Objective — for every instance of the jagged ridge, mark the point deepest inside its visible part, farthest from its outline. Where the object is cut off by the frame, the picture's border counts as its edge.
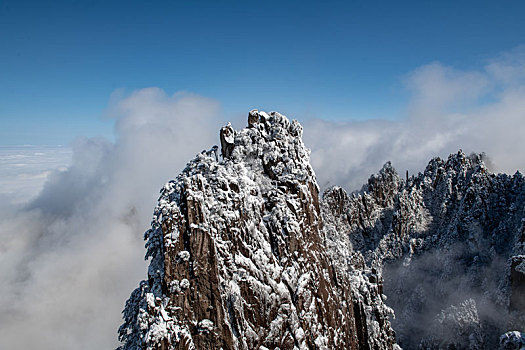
(239, 256)
(450, 240)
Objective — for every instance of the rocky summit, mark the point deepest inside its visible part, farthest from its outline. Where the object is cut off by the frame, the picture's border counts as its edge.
(244, 254)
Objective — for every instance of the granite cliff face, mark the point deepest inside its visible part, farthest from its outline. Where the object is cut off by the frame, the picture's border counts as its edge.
(239, 256)
(245, 255)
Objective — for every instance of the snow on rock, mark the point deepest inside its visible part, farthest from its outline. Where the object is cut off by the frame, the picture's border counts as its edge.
(242, 259)
(448, 241)
(512, 340)
(244, 255)
(457, 327)
(205, 326)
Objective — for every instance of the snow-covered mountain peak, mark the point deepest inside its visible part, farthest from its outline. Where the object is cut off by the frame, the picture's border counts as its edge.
(239, 257)
(245, 255)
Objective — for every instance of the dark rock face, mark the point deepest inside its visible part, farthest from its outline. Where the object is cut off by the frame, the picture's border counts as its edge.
(227, 137)
(517, 283)
(253, 118)
(240, 257)
(449, 244)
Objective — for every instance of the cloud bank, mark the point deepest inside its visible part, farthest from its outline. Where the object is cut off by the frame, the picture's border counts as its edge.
(24, 170)
(450, 109)
(72, 256)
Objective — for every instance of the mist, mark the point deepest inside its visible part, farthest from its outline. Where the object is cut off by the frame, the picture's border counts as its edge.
(449, 109)
(72, 255)
(423, 292)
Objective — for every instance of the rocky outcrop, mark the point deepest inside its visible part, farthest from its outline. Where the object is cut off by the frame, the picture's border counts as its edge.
(512, 340)
(241, 258)
(227, 141)
(517, 283)
(448, 244)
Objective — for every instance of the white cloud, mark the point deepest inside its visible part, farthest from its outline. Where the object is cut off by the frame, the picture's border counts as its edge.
(509, 67)
(70, 261)
(477, 111)
(24, 169)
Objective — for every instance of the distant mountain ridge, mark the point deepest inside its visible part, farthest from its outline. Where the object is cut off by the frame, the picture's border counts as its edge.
(245, 255)
(448, 241)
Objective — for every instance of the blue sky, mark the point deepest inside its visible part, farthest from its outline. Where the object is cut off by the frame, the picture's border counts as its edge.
(60, 61)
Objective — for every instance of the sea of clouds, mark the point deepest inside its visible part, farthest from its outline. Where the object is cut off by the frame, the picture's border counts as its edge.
(72, 219)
